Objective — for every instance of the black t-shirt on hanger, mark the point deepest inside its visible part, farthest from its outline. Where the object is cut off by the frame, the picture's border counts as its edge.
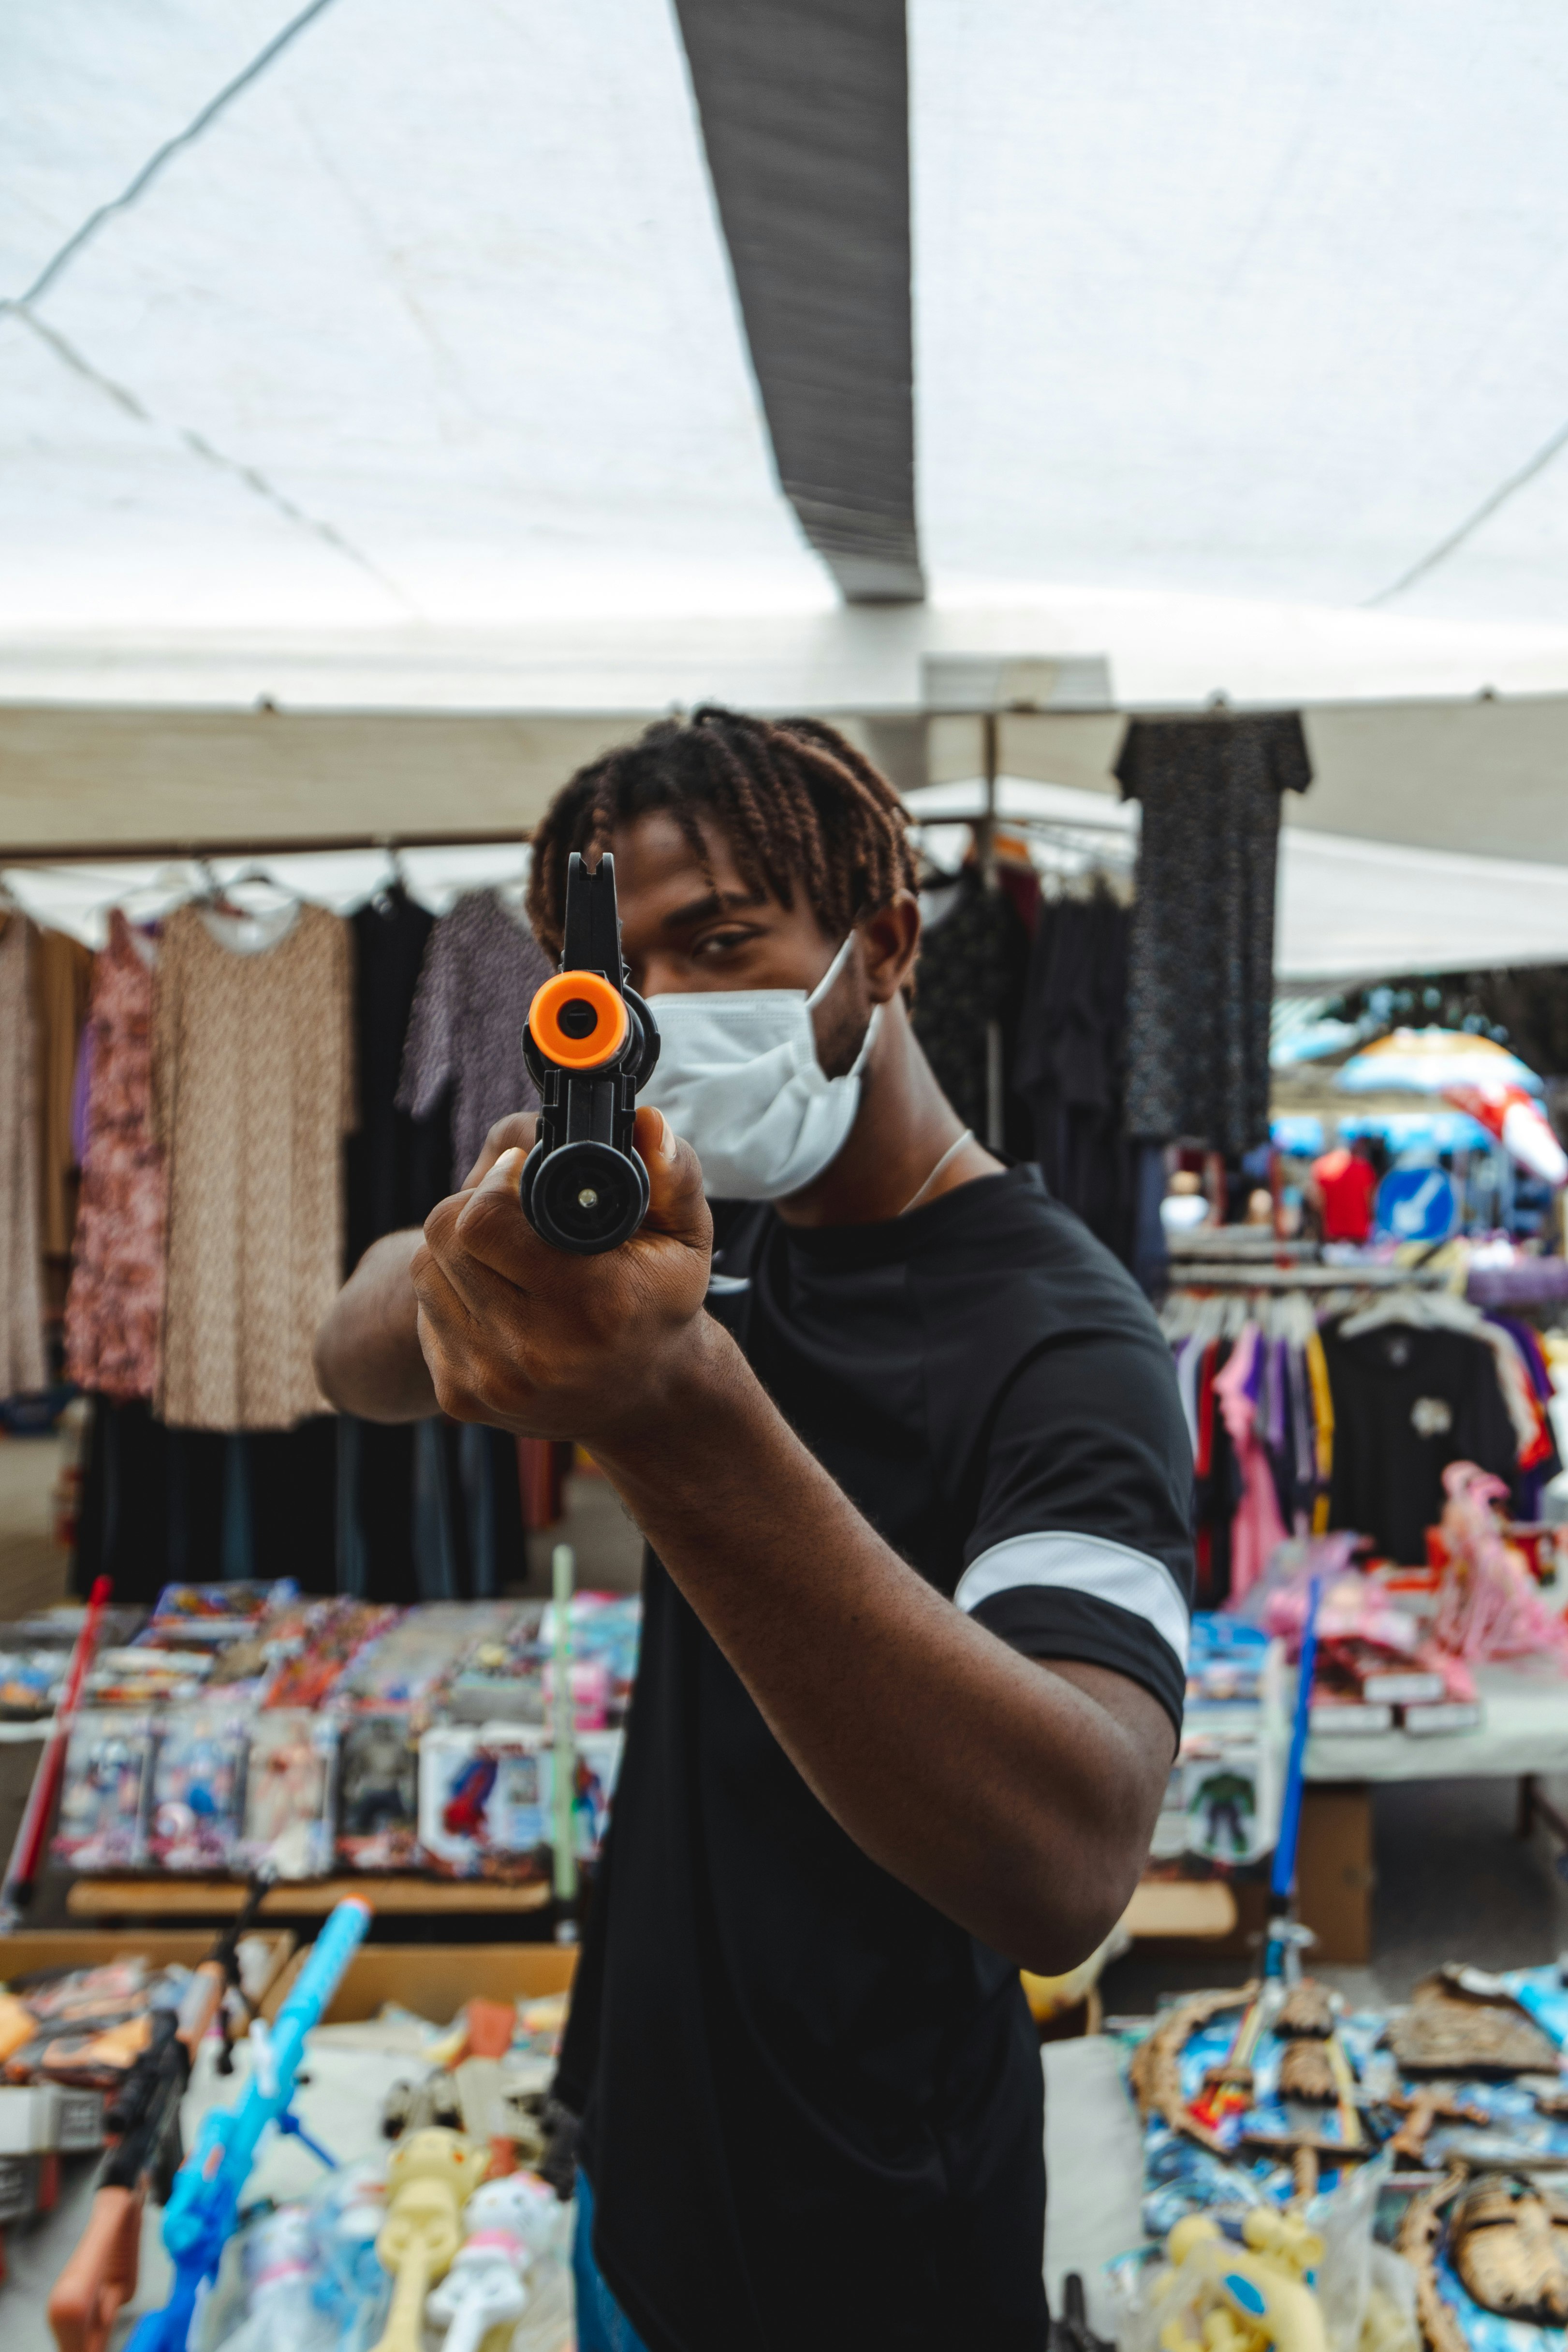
(814, 2102)
(1407, 1402)
(396, 1167)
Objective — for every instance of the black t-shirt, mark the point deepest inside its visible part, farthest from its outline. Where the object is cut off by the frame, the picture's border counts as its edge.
(812, 2102)
(1406, 1403)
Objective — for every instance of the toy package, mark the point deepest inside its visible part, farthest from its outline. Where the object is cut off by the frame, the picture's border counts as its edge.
(333, 1632)
(30, 1682)
(502, 1678)
(104, 1792)
(146, 1679)
(598, 1768)
(193, 1820)
(378, 1794)
(288, 1793)
(607, 1629)
(485, 1800)
(193, 1616)
(407, 1665)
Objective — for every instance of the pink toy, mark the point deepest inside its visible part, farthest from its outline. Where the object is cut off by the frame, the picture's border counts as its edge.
(1488, 1604)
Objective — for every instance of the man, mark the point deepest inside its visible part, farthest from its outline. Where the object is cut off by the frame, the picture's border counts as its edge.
(914, 1478)
(1344, 1192)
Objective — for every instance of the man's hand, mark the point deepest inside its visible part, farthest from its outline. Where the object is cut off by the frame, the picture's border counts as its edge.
(529, 1339)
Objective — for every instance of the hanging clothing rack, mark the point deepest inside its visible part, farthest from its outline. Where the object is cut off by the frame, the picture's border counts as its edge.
(131, 852)
(1306, 1277)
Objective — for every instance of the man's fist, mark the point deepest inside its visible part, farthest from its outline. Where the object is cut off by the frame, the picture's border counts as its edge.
(528, 1338)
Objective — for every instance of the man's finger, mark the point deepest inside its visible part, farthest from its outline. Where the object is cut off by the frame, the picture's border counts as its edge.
(493, 1232)
(675, 1204)
(515, 1132)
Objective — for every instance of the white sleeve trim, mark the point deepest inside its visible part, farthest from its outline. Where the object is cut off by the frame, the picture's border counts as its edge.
(1093, 1565)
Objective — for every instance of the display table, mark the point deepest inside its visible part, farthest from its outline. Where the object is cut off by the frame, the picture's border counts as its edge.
(169, 1896)
(1524, 1730)
(1523, 1734)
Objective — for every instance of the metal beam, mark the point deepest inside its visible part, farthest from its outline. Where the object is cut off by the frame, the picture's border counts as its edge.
(805, 113)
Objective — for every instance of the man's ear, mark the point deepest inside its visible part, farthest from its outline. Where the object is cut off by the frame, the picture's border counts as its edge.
(890, 942)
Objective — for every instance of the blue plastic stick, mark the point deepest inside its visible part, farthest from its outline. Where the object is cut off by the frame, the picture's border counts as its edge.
(1283, 1877)
(200, 2216)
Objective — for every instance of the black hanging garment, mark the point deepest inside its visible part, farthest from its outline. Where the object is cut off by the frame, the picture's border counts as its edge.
(397, 1167)
(974, 954)
(1071, 1065)
(201, 1506)
(1406, 1403)
(1201, 979)
(429, 1512)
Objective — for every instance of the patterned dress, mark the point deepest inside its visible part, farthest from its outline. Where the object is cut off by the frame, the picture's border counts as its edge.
(115, 1304)
(21, 1294)
(1201, 976)
(481, 970)
(253, 1090)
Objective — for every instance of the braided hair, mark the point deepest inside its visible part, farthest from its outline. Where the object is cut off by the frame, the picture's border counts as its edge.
(802, 807)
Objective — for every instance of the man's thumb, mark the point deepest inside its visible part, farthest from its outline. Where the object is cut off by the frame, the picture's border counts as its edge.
(676, 1203)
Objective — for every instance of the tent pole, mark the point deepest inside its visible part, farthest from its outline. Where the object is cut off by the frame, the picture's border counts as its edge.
(116, 853)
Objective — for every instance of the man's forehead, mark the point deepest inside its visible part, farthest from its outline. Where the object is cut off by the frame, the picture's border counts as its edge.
(660, 879)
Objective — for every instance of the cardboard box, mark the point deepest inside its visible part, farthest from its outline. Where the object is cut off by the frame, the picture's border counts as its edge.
(88, 1948)
(1334, 1871)
(435, 1980)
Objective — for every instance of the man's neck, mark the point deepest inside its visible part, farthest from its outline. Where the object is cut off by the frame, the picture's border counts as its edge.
(905, 1126)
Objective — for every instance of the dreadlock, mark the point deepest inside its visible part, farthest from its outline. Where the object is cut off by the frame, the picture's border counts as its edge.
(802, 807)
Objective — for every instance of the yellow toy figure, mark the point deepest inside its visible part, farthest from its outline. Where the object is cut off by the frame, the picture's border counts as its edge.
(429, 2180)
(1256, 2291)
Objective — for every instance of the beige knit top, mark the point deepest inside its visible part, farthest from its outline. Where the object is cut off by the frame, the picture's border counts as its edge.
(253, 1091)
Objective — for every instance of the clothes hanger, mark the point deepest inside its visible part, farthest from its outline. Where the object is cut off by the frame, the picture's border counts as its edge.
(393, 882)
(169, 888)
(1422, 1310)
(252, 875)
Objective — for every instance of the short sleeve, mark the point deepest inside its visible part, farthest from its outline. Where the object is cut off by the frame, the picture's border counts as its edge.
(1082, 1545)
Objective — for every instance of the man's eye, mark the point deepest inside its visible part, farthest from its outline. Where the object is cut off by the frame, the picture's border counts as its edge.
(722, 942)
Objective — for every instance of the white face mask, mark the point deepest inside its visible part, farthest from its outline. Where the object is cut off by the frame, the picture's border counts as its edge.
(738, 1077)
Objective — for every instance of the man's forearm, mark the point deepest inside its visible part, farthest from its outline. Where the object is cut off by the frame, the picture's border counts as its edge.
(1014, 1797)
(369, 1360)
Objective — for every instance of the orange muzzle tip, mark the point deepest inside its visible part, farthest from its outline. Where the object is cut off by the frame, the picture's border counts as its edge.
(577, 1020)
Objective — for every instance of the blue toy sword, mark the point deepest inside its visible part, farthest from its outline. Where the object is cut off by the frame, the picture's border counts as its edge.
(200, 2216)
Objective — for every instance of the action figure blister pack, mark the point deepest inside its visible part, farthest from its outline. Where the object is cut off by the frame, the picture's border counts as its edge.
(198, 1769)
(378, 1794)
(288, 1793)
(483, 1799)
(103, 1796)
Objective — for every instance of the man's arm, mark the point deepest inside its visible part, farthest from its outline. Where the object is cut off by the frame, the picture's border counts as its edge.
(1019, 1799)
(368, 1357)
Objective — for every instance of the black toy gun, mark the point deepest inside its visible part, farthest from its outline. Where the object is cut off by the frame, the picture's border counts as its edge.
(590, 1043)
(143, 2125)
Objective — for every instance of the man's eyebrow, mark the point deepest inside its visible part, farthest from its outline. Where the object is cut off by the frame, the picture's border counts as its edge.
(714, 902)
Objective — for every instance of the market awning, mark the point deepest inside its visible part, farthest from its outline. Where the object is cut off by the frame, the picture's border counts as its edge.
(1222, 339)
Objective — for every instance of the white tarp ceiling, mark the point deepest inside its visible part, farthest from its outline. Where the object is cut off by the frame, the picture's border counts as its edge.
(434, 322)
(405, 368)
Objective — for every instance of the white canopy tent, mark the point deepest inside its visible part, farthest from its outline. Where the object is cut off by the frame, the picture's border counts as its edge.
(369, 357)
